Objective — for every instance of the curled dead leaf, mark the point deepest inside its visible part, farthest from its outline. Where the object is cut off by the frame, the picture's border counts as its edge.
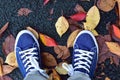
(33, 31)
(113, 47)
(106, 5)
(48, 59)
(72, 37)
(3, 28)
(60, 69)
(8, 44)
(62, 51)
(11, 59)
(61, 25)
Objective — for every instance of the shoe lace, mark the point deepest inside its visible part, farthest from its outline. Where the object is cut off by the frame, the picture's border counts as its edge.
(30, 60)
(83, 60)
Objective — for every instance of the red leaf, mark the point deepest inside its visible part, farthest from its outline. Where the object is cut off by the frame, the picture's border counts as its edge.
(8, 45)
(47, 41)
(79, 16)
(3, 28)
(46, 1)
(24, 11)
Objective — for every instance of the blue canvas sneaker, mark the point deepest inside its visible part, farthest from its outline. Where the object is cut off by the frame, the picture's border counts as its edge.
(85, 53)
(28, 53)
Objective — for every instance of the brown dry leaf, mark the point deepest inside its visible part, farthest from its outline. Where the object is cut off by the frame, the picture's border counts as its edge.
(34, 32)
(72, 37)
(8, 44)
(60, 69)
(24, 12)
(4, 28)
(74, 25)
(106, 5)
(48, 59)
(55, 75)
(1, 68)
(61, 25)
(92, 19)
(62, 51)
(11, 59)
(5, 77)
(78, 8)
(113, 47)
(7, 69)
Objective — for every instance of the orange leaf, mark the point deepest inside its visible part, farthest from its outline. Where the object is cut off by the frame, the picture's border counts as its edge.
(3, 28)
(79, 16)
(116, 31)
(113, 47)
(55, 75)
(47, 41)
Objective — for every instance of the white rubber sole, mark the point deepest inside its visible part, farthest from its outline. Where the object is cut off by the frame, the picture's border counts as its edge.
(90, 33)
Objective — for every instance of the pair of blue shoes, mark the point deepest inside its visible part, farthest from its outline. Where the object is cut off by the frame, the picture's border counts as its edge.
(85, 53)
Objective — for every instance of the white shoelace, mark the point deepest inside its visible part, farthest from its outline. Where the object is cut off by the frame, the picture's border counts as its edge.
(28, 57)
(84, 55)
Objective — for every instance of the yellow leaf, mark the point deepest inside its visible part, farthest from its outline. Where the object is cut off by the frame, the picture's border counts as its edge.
(60, 69)
(61, 25)
(72, 37)
(33, 31)
(94, 32)
(11, 59)
(113, 47)
(92, 19)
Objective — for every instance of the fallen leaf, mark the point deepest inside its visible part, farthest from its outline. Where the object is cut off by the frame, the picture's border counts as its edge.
(79, 8)
(115, 33)
(106, 5)
(1, 68)
(107, 78)
(60, 69)
(4, 28)
(61, 25)
(1, 60)
(7, 69)
(72, 37)
(79, 16)
(8, 44)
(62, 51)
(74, 25)
(51, 11)
(118, 12)
(47, 41)
(24, 12)
(46, 1)
(113, 47)
(55, 75)
(48, 59)
(11, 59)
(5, 77)
(92, 18)
(33, 31)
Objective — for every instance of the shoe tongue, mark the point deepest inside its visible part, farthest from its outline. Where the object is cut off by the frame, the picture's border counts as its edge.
(25, 47)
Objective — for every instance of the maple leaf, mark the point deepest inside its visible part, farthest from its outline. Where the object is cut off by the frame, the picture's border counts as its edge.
(24, 12)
